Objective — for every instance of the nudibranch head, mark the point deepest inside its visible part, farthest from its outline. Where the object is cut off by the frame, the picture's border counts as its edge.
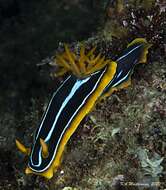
(43, 154)
(70, 103)
(82, 64)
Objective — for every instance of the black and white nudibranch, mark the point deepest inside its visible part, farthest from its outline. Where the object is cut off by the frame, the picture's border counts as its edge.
(90, 78)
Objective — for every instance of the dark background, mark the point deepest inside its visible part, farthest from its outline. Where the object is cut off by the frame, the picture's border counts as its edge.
(29, 32)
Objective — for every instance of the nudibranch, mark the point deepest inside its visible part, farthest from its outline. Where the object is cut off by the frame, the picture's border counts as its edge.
(90, 78)
(136, 52)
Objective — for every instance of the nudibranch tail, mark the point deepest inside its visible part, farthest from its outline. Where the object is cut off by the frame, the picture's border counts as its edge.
(135, 53)
(81, 65)
(146, 46)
